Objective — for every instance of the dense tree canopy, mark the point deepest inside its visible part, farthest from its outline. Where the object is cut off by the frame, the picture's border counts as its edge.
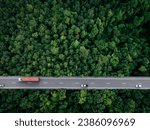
(74, 38)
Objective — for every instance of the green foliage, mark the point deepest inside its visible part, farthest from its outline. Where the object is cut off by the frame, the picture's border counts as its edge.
(74, 38)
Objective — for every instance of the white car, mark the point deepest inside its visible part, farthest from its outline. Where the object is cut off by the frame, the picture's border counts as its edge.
(84, 85)
(138, 85)
(2, 85)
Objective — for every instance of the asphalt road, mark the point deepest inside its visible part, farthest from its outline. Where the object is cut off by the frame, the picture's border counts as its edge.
(76, 82)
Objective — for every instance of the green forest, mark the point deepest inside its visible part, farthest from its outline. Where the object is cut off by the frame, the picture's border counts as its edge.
(55, 38)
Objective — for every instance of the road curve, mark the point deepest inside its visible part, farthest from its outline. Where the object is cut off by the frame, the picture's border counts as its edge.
(76, 82)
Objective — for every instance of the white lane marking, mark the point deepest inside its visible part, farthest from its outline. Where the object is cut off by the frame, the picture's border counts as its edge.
(60, 82)
(124, 83)
(108, 83)
(13, 82)
(76, 83)
(92, 83)
(45, 82)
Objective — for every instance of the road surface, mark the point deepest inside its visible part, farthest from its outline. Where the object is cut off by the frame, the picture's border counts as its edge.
(76, 82)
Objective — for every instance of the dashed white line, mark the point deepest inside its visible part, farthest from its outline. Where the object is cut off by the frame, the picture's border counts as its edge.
(13, 82)
(60, 82)
(92, 83)
(45, 82)
(108, 83)
(76, 83)
(124, 83)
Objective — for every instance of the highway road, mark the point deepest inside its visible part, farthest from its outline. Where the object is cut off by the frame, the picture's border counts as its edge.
(77, 82)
